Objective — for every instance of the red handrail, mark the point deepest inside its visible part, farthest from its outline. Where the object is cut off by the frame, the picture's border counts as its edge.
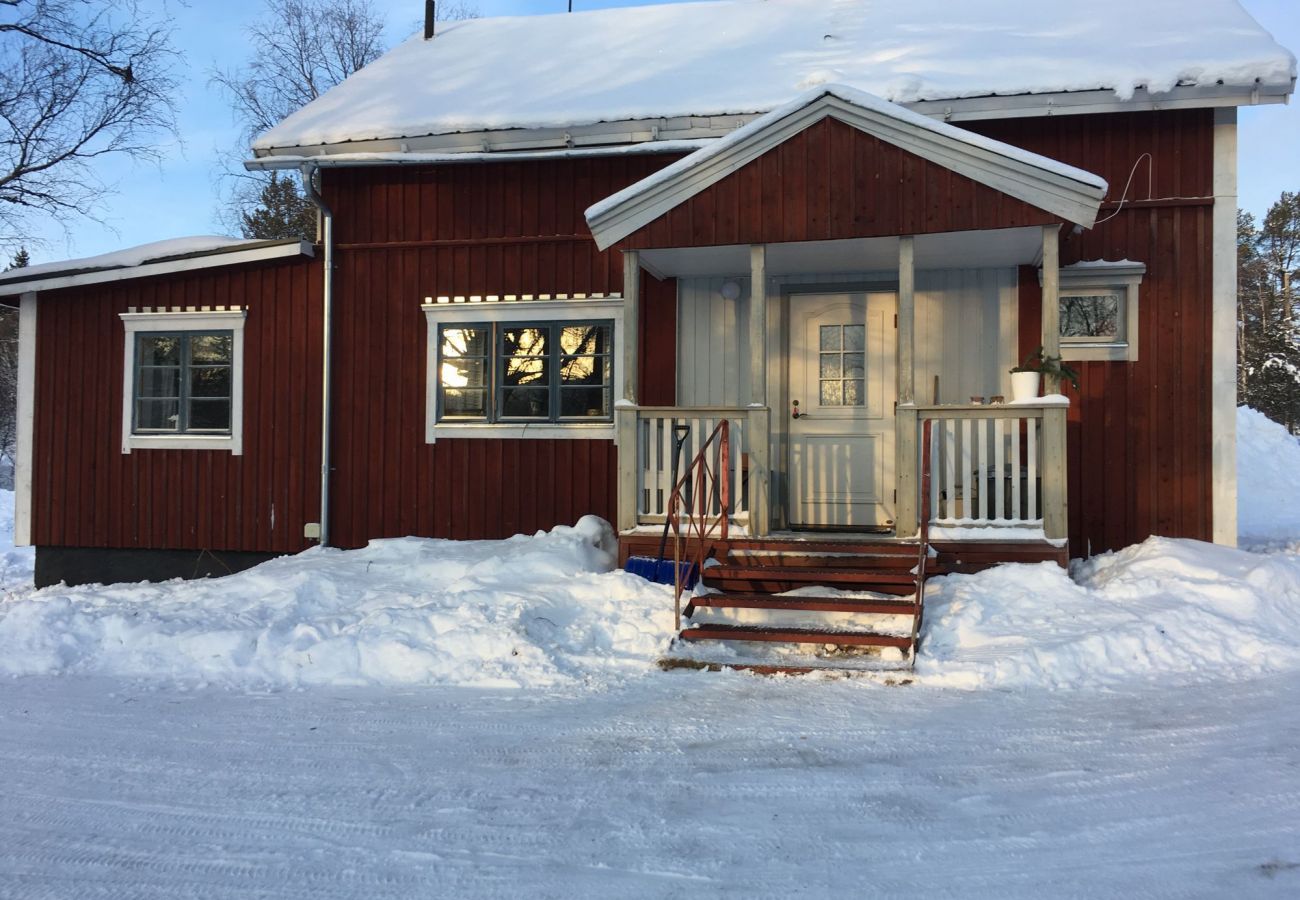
(701, 483)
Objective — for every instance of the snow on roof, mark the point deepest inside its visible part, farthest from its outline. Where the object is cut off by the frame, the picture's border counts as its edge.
(750, 56)
(131, 256)
(860, 99)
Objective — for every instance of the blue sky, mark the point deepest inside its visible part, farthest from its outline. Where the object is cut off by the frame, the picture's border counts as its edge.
(178, 196)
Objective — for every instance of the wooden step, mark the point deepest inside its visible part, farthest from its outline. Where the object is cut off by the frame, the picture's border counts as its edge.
(777, 579)
(794, 636)
(872, 605)
(875, 548)
(802, 560)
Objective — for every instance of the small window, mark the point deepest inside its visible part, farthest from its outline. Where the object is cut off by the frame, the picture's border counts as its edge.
(526, 372)
(182, 384)
(842, 366)
(1099, 310)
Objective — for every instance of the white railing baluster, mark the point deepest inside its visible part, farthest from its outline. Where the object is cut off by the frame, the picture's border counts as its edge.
(950, 466)
(984, 480)
(999, 466)
(1031, 457)
(966, 464)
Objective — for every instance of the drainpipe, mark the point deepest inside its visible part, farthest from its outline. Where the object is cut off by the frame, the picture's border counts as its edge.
(327, 313)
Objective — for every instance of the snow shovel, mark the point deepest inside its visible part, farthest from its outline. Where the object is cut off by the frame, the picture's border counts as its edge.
(661, 570)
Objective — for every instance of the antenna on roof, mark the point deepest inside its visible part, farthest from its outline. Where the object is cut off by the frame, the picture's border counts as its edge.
(429, 17)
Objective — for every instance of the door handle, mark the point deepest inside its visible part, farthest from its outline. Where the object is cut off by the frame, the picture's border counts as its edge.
(795, 414)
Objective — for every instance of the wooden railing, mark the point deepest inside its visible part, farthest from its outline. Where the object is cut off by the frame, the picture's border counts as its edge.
(646, 450)
(697, 510)
(991, 466)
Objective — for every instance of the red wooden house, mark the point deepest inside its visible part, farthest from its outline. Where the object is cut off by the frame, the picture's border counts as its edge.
(547, 240)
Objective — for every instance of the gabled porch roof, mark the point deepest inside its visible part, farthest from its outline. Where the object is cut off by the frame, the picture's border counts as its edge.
(1062, 192)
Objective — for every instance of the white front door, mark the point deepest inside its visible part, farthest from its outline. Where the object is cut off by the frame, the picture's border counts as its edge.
(843, 379)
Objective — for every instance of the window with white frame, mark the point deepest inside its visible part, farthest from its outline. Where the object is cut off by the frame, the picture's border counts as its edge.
(545, 368)
(182, 383)
(1099, 310)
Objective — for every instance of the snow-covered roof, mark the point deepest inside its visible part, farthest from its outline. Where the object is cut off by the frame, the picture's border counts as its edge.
(743, 57)
(156, 258)
(1038, 180)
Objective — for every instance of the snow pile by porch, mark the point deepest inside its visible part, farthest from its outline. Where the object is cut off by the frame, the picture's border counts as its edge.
(1163, 608)
(529, 611)
(1268, 482)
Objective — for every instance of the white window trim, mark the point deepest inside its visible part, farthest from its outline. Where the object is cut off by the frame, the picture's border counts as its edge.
(1121, 278)
(232, 320)
(438, 314)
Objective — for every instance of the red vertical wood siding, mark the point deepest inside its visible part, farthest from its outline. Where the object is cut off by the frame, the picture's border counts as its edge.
(1139, 432)
(87, 493)
(831, 182)
(406, 233)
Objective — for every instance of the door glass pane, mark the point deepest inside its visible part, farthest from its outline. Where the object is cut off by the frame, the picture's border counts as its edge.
(209, 415)
(853, 392)
(830, 365)
(855, 337)
(832, 394)
(157, 415)
(830, 337)
(853, 365)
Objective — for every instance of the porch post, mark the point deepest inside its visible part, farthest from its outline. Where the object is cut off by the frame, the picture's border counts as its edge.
(625, 415)
(631, 322)
(1051, 300)
(905, 422)
(758, 325)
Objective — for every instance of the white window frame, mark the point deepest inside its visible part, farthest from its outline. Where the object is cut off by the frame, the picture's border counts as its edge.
(1092, 278)
(528, 311)
(221, 320)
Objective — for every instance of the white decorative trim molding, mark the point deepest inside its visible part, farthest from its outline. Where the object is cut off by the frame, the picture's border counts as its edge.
(232, 320)
(26, 415)
(437, 314)
(1223, 331)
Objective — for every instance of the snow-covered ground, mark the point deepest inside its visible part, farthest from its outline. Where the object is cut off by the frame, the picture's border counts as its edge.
(486, 719)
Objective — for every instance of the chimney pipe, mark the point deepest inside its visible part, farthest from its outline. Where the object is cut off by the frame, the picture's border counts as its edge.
(429, 18)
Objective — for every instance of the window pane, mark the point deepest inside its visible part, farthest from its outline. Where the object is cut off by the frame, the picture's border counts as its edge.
(158, 350)
(159, 382)
(210, 348)
(209, 415)
(584, 339)
(157, 415)
(464, 403)
(584, 403)
(1090, 315)
(830, 337)
(853, 393)
(526, 403)
(853, 365)
(830, 367)
(457, 342)
(463, 373)
(585, 370)
(855, 337)
(525, 341)
(831, 394)
(210, 381)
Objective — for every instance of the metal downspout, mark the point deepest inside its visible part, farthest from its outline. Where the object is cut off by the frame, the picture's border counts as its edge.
(327, 312)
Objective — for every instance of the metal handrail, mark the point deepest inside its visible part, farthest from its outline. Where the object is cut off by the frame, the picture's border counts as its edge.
(923, 552)
(702, 481)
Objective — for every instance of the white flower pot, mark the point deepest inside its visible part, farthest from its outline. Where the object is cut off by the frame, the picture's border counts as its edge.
(1024, 386)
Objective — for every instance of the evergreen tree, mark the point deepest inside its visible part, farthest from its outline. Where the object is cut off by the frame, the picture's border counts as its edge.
(1268, 320)
(282, 212)
(21, 260)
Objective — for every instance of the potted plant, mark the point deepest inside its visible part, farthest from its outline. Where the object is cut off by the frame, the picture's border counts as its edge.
(1025, 378)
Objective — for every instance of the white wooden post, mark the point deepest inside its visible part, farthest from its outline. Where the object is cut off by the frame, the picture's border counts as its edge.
(759, 427)
(1051, 300)
(905, 419)
(631, 322)
(625, 436)
(1055, 500)
(758, 325)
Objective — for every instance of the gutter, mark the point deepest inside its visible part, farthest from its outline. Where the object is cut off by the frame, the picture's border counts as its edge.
(327, 313)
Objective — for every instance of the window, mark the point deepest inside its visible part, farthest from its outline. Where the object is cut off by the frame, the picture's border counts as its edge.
(538, 367)
(182, 385)
(1099, 310)
(501, 372)
(842, 367)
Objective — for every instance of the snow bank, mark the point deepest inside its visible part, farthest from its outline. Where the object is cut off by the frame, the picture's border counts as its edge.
(1268, 482)
(16, 563)
(528, 611)
(1165, 608)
